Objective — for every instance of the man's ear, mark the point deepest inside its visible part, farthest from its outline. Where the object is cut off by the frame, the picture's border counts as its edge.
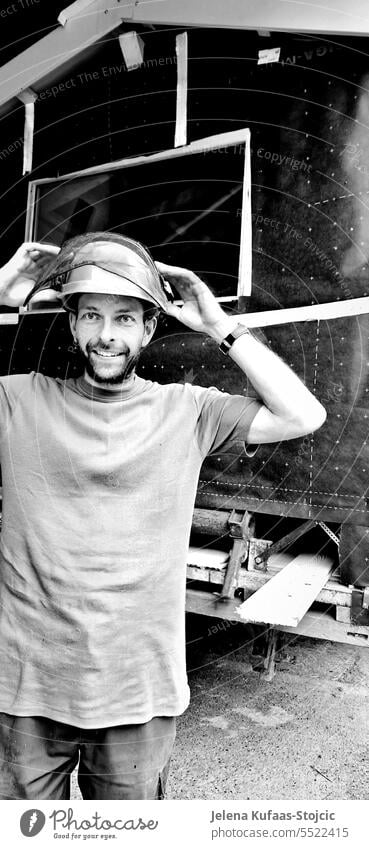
(72, 321)
(150, 327)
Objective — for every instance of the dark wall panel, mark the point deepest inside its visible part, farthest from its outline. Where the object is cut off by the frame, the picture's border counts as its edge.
(309, 119)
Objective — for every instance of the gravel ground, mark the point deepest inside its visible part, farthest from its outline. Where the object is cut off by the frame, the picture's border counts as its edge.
(303, 735)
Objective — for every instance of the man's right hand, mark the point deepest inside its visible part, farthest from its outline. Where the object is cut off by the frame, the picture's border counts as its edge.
(19, 275)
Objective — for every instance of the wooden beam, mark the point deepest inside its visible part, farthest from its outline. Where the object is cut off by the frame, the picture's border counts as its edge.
(320, 626)
(78, 9)
(87, 21)
(335, 509)
(180, 137)
(286, 598)
(324, 627)
(213, 522)
(207, 558)
(203, 145)
(207, 604)
(332, 16)
(334, 594)
(316, 312)
(208, 576)
(61, 48)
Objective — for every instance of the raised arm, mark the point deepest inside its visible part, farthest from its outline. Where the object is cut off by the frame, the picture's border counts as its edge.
(289, 409)
(19, 275)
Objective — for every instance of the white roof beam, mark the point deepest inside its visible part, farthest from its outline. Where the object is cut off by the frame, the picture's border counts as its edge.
(82, 28)
(333, 17)
(85, 22)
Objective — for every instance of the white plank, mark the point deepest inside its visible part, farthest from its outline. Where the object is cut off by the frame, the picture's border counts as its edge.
(207, 558)
(316, 312)
(332, 16)
(203, 145)
(323, 626)
(61, 48)
(320, 626)
(207, 576)
(285, 599)
(333, 593)
(180, 137)
(245, 259)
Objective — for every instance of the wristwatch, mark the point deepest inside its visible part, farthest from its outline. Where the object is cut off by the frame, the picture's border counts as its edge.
(228, 341)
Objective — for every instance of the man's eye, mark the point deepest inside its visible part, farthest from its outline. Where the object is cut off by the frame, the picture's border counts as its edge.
(90, 316)
(126, 319)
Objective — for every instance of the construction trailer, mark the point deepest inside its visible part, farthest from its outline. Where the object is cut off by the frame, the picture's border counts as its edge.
(238, 148)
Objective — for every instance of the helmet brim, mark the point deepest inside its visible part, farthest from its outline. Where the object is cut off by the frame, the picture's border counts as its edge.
(92, 279)
(128, 264)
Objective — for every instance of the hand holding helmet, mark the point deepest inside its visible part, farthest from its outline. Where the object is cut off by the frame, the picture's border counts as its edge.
(201, 310)
(105, 263)
(19, 275)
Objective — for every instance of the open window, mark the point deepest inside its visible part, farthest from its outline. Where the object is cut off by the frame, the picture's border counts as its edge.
(189, 205)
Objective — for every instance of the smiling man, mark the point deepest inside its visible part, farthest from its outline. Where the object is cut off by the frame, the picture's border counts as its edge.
(119, 332)
(99, 483)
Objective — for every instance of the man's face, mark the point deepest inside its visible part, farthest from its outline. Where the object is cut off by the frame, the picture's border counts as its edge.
(110, 331)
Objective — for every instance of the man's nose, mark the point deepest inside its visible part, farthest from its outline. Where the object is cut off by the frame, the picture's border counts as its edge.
(107, 333)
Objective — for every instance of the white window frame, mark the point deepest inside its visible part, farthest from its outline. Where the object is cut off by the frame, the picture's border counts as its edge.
(221, 140)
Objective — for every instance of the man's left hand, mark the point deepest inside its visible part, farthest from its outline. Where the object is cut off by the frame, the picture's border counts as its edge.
(200, 311)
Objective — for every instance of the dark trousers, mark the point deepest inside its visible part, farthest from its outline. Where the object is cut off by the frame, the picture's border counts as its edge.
(37, 756)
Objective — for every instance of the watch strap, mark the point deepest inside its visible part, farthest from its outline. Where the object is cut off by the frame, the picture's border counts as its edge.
(228, 341)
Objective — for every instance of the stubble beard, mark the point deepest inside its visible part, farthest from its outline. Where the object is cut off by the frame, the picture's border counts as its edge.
(124, 374)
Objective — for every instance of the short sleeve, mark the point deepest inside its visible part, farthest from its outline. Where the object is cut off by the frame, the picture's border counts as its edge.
(11, 387)
(223, 419)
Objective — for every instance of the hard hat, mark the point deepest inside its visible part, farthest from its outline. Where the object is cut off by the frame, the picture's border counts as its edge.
(114, 265)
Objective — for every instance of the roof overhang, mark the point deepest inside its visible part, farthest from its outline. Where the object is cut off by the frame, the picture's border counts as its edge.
(83, 24)
(81, 27)
(333, 17)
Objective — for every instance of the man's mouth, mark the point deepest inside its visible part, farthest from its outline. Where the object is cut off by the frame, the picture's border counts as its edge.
(108, 354)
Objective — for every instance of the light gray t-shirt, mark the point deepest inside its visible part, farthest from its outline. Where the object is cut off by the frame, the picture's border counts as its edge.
(98, 496)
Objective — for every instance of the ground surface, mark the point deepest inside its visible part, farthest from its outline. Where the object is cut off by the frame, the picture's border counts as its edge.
(304, 735)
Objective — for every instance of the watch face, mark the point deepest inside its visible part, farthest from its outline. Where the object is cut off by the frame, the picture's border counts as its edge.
(227, 343)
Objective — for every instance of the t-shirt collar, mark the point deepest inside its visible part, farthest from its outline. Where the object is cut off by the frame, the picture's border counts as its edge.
(99, 393)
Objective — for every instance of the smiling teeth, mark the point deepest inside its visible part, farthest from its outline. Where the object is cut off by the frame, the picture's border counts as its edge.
(100, 354)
